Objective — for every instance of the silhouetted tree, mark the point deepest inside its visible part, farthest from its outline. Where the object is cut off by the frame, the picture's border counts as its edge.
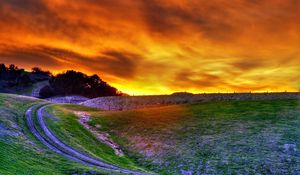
(77, 83)
(24, 80)
(46, 92)
(37, 70)
(12, 67)
(68, 83)
(12, 78)
(3, 71)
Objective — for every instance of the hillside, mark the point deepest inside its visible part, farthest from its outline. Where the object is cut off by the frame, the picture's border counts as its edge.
(22, 152)
(138, 102)
(18, 81)
(214, 137)
(226, 137)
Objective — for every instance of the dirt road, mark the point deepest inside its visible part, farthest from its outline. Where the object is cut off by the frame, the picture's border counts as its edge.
(47, 138)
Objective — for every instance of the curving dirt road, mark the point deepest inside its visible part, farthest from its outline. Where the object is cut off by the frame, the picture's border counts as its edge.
(48, 139)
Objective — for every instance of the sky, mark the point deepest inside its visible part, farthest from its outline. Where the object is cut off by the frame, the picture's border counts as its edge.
(159, 46)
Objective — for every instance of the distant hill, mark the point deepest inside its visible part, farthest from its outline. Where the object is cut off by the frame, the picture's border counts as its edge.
(18, 81)
(138, 102)
(40, 83)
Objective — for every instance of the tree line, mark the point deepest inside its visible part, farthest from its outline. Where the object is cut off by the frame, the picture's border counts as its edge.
(68, 83)
(78, 83)
(13, 78)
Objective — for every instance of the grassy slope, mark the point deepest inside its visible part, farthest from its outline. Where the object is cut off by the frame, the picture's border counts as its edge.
(214, 138)
(69, 129)
(20, 152)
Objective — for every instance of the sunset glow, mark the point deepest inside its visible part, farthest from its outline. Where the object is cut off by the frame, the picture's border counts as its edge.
(159, 46)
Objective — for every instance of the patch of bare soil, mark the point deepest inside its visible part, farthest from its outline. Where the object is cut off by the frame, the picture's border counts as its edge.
(103, 137)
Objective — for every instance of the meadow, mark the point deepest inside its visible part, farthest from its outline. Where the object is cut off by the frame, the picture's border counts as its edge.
(21, 153)
(227, 137)
(224, 137)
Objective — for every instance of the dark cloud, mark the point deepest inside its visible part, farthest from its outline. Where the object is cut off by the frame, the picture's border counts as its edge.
(35, 16)
(220, 21)
(162, 19)
(248, 64)
(215, 20)
(25, 6)
(186, 79)
(166, 19)
(119, 64)
(25, 56)
(116, 63)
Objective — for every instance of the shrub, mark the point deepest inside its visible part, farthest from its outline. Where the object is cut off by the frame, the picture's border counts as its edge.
(46, 92)
(77, 83)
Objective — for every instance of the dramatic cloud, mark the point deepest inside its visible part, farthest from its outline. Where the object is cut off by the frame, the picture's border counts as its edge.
(159, 46)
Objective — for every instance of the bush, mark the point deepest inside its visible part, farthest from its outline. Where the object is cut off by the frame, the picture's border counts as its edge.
(37, 70)
(77, 83)
(46, 92)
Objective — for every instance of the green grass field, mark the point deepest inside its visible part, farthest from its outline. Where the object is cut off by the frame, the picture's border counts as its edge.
(20, 152)
(237, 137)
(68, 128)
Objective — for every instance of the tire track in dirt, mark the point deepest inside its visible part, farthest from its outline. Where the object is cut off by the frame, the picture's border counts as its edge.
(53, 143)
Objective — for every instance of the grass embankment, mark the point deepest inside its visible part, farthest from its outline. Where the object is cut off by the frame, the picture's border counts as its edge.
(238, 137)
(20, 152)
(241, 137)
(67, 128)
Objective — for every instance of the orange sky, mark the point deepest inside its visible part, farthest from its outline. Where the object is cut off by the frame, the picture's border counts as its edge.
(159, 46)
